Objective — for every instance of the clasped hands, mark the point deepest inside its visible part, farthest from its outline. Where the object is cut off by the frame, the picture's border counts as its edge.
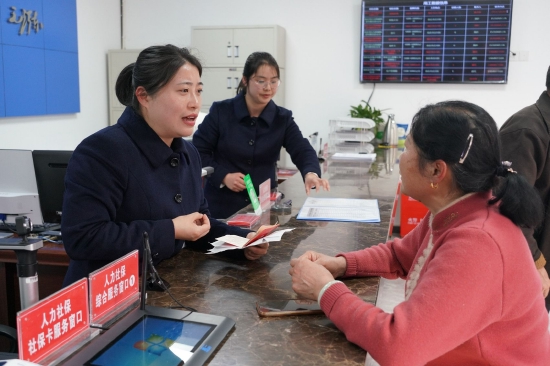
(311, 271)
(196, 225)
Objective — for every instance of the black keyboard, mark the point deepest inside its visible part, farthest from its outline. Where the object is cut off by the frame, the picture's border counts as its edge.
(47, 226)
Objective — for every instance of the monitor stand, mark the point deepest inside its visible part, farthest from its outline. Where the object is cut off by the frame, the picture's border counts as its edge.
(27, 265)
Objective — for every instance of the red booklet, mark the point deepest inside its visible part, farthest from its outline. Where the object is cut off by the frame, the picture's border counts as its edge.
(243, 220)
(262, 232)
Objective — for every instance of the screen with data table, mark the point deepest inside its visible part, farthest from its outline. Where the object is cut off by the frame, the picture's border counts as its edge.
(405, 41)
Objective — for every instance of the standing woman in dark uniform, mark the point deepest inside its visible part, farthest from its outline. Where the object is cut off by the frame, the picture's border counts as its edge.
(140, 175)
(244, 135)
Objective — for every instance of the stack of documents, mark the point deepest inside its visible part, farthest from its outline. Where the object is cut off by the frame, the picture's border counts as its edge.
(353, 157)
(232, 242)
(340, 209)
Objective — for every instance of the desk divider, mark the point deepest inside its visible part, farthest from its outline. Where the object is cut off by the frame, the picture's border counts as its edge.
(53, 328)
(57, 326)
(114, 290)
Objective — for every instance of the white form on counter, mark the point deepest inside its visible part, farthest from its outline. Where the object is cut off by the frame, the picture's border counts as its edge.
(340, 209)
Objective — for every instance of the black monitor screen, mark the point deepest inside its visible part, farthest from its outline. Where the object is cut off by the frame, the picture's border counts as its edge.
(154, 340)
(50, 167)
(414, 41)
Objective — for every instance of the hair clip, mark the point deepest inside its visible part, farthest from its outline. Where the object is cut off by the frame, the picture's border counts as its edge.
(464, 155)
(508, 164)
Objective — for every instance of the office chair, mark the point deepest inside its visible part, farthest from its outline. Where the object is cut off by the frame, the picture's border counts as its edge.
(10, 334)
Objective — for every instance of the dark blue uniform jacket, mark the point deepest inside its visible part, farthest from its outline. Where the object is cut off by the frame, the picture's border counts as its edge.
(231, 141)
(122, 181)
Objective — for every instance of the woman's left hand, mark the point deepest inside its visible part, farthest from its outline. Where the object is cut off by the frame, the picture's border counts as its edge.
(313, 181)
(257, 251)
(308, 278)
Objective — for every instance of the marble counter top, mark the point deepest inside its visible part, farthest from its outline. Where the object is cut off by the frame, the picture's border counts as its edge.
(217, 285)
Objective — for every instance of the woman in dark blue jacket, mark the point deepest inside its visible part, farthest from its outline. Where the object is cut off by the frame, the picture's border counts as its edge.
(140, 175)
(244, 135)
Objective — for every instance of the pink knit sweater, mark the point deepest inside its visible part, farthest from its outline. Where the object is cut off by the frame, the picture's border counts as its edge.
(473, 296)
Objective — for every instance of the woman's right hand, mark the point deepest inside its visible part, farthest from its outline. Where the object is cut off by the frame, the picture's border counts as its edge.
(308, 277)
(336, 265)
(234, 181)
(191, 227)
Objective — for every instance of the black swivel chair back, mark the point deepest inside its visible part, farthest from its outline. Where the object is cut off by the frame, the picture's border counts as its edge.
(10, 334)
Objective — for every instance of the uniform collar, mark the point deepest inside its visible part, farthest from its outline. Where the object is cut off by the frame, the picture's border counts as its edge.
(241, 110)
(543, 105)
(147, 140)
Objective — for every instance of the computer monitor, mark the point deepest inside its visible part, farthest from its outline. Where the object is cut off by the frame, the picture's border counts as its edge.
(151, 335)
(50, 167)
(157, 336)
(18, 189)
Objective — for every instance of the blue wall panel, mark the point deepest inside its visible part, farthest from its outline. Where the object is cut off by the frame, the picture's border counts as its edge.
(24, 80)
(2, 101)
(2, 13)
(60, 35)
(40, 64)
(61, 88)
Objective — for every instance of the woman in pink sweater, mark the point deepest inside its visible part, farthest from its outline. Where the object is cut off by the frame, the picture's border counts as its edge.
(473, 294)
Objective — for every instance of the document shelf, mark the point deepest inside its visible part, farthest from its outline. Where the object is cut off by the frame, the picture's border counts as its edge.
(348, 168)
(351, 135)
(353, 147)
(348, 180)
(348, 123)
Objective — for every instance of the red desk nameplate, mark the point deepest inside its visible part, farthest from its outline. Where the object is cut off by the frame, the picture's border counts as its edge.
(113, 285)
(49, 324)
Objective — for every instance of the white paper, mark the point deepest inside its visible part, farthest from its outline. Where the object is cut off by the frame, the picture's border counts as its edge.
(354, 156)
(340, 202)
(236, 240)
(340, 209)
(221, 245)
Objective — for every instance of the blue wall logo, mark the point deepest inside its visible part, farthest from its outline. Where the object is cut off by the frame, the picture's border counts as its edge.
(38, 58)
(28, 20)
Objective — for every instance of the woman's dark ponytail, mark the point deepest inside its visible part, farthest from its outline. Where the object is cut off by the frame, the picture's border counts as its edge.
(123, 87)
(519, 201)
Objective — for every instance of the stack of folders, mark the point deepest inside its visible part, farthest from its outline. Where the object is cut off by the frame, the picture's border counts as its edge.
(353, 157)
(244, 220)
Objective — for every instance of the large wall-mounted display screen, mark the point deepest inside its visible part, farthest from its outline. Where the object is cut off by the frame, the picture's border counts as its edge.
(411, 41)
